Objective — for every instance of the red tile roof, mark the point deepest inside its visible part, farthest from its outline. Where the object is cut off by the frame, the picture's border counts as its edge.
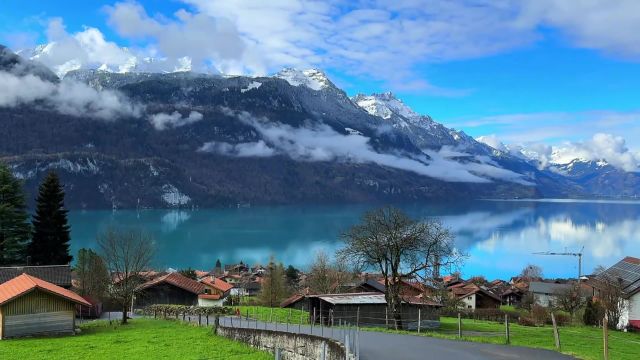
(24, 284)
(632, 260)
(177, 280)
(217, 284)
(209, 296)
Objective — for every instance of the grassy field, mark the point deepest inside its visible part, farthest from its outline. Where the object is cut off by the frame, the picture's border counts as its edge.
(580, 341)
(292, 316)
(141, 339)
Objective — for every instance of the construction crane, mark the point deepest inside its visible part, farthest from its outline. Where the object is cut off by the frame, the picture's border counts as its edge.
(577, 254)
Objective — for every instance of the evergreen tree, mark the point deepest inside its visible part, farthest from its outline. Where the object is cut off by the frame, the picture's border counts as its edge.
(50, 243)
(14, 224)
(274, 287)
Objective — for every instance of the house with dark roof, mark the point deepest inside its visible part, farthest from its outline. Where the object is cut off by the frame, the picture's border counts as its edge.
(370, 309)
(627, 273)
(473, 296)
(30, 306)
(172, 288)
(59, 275)
(546, 293)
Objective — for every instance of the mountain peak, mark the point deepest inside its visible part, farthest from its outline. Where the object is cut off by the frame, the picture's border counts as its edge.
(314, 79)
(386, 105)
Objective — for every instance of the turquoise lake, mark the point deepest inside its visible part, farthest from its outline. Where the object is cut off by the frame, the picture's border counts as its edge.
(498, 236)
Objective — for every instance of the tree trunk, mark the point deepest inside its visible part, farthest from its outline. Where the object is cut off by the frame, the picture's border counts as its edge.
(124, 315)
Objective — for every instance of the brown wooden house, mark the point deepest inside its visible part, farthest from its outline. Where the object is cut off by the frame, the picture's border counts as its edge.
(30, 306)
(172, 288)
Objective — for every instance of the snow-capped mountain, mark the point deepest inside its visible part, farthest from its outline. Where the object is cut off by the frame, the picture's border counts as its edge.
(422, 129)
(289, 138)
(314, 79)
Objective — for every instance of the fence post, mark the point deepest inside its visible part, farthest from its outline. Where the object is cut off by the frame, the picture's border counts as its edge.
(358, 317)
(419, 319)
(277, 353)
(313, 320)
(605, 335)
(199, 319)
(556, 335)
(207, 319)
(216, 324)
(506, 328)
(324, 350)
(386, 317)
(459, 326)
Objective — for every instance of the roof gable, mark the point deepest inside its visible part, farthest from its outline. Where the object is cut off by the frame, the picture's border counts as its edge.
(24, 284)
(177, 280)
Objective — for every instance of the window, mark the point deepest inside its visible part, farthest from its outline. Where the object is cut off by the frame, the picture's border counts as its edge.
(468, 297)
(207, 291)
(469, 307)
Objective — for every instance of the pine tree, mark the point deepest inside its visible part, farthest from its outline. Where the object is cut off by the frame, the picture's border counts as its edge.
(14, 225)
(50, 244)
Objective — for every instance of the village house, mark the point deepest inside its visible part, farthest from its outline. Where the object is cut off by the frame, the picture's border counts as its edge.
(370, 309)
(30, 306)
(172, 288)
(627, 273)
(473, 296)
(546, 294)
(215, 291)
(59, 275)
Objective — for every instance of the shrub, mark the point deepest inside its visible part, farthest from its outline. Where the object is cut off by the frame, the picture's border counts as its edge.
(593, 313)
(562, 318)
(526, 321)
(539, 314)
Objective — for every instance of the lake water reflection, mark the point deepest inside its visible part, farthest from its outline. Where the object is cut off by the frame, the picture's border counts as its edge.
(499, 236)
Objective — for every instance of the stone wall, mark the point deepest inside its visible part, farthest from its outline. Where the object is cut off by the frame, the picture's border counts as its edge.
(292, 346)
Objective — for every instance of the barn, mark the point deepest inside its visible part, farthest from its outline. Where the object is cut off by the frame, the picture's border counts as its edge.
(30, 306)
(173, 288)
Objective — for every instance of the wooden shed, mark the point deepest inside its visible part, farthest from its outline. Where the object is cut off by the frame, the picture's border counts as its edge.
(173, 288)
(30, 306)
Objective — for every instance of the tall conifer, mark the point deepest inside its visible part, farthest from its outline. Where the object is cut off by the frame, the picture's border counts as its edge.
(50, 243)
(14, 224)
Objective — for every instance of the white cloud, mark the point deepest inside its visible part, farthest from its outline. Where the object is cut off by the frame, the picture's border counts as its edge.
(248, 149)
(321, 143)
(610, 26)
(84, 49)
(162, 121)
(607, 147)
(205, 40)
(610, 148)
(66, 97)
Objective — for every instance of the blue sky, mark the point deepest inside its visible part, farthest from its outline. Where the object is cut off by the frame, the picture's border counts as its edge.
(539, 71)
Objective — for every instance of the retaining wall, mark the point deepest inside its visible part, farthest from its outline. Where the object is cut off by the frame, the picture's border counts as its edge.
(292, 346)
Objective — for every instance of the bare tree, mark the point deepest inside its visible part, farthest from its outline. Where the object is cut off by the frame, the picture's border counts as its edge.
(570, 300)
(324, 275)
(531, 273)
(126, 254)
(92, 273)
(611, 297)
(399, 247)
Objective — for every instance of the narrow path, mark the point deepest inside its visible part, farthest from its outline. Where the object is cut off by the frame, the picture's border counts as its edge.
(384, 346)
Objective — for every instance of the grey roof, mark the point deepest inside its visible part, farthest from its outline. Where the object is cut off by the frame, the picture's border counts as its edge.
(628, 271)
(548, 288)
(357, 298)
(56, 274)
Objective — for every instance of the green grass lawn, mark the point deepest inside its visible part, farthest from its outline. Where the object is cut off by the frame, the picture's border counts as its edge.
(581, 341)
(292, 316)
(141, 339)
